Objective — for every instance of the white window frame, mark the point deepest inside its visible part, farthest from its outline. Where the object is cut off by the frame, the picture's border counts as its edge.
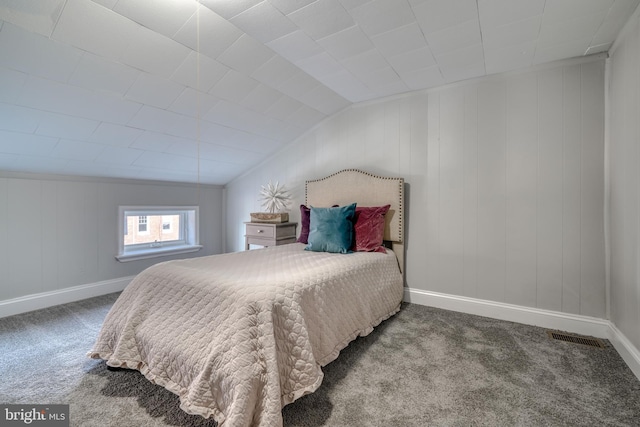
(188, 242)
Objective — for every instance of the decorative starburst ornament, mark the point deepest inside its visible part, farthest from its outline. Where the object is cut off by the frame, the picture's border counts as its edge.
(274, 197)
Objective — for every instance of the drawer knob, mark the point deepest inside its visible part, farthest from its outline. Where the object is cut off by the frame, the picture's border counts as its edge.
(259, 231)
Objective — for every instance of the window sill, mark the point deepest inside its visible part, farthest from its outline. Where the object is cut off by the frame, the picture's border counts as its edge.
(157, 252)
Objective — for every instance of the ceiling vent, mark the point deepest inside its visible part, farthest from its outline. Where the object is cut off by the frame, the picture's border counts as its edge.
(576, 339)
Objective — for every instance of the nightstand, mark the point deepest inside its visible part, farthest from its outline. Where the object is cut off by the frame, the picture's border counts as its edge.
(269, 234)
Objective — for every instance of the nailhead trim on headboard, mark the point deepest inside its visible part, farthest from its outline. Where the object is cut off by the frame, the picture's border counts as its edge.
(400, 193)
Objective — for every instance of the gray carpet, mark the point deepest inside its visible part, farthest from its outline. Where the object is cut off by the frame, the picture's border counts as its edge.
(423, 367)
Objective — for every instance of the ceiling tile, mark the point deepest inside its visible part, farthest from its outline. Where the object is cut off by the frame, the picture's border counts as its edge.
(435, 15)
(413, 60)
(510, 58)
(118, 155)
(284, 108)
(366, 62)
(19, 119)
(261, 98)
(226, 113)
(166, 162)
(153, 119)
(154, 90)
(264, 22)
(423, 78)
(94, 28)
(288, 6)
(462, 64)
(11, 83)
(65, 99)
(347, 85)
(76, 150)
(43, 164)
(496, 13)
(325, 100)
(107, 3)
(26, 144)
(166, 20)
(347, 43)
(352, 4)
(116, 135)
(566, 10)
(321, 18)
(36, 54)
(227, 154)
(208, 33)
(63, 126)
(190, 127)
(265, 126)
(275, 72)
(13, 162)
(380, 77)
(319, 65)
(154, 53)
(401, 40)
(193, 103)
(298, 84)
(218, 134)
(246, 55)
(199, 72)
(559, 32)
(615, 20)
(186, 147)
(100, 74)
(455, 37)
(295, 46)
(512, 34)
(380, 16)
(34, 16)
(306, 117)
(154, 141)
(233, 87)
(228, 9)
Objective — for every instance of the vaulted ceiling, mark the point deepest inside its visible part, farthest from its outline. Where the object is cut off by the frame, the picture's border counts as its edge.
(201, 91)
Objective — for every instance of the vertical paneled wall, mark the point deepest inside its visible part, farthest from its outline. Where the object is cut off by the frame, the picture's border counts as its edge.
(624, 182)
(59, 233)
(505, 183)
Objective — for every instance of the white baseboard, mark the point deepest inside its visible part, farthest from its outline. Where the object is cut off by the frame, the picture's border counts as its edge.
(583, 325)
(62, 296)
(625, 348)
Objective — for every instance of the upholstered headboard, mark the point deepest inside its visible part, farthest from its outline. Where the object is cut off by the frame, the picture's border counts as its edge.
(353, 185)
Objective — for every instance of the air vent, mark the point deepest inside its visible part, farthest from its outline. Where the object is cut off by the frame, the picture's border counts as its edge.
(576, 339)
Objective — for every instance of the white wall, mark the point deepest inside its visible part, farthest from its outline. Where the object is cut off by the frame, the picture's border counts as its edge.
(505, 183)
(61, 232)
(624, 182)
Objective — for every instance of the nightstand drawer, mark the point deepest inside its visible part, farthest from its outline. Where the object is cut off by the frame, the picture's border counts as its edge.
(260, 231)
(269, 234)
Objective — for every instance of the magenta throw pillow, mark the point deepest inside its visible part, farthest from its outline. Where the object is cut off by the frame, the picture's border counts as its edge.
(369, 228)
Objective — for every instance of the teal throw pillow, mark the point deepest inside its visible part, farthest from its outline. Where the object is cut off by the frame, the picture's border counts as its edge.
(331, 229)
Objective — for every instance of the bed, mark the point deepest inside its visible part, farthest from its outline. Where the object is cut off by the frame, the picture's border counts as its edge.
(238, 336)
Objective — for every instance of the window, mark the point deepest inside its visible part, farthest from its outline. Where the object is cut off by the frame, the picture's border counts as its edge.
(142, 224)
(151, 231)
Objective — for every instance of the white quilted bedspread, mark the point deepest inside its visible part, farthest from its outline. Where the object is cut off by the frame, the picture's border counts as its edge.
(238, 336)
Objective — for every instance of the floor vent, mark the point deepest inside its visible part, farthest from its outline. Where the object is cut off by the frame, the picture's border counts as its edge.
(576, 339)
